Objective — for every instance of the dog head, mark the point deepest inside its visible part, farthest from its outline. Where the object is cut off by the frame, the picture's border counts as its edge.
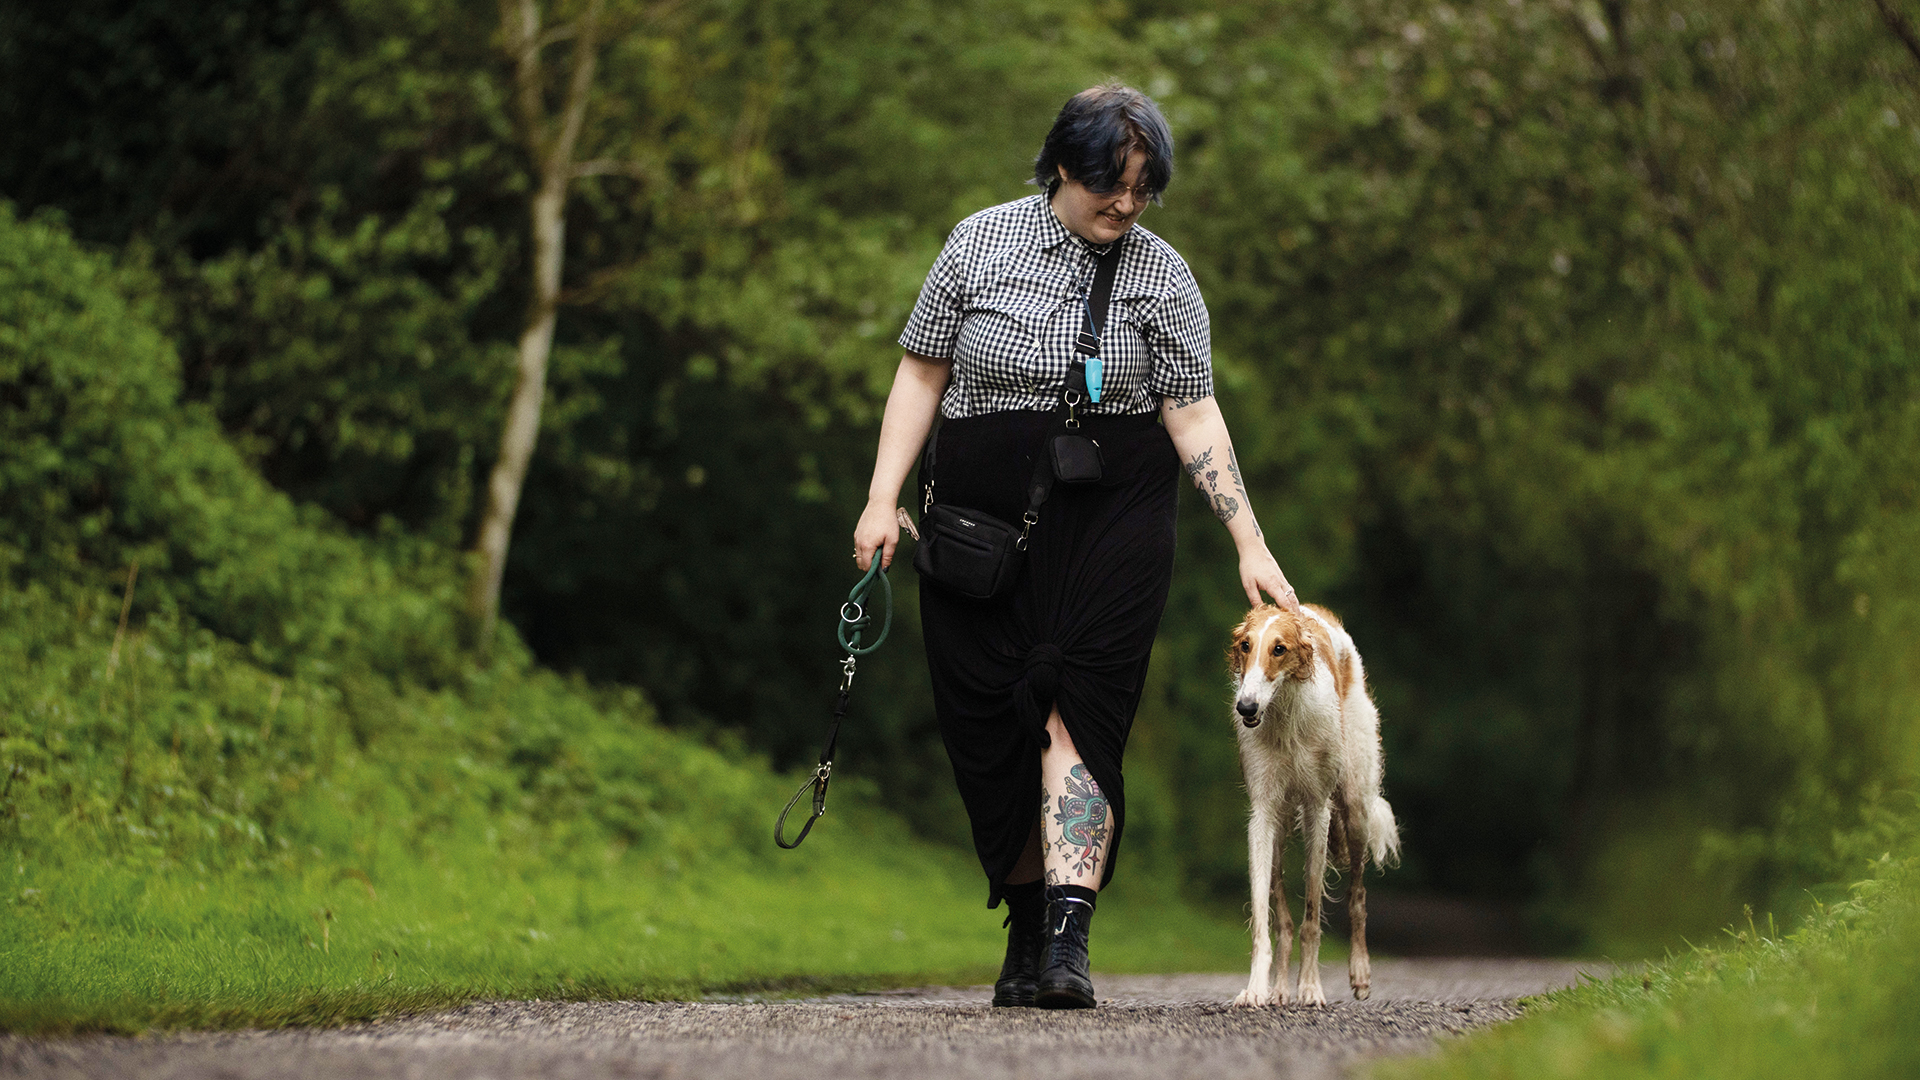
(1270, 646)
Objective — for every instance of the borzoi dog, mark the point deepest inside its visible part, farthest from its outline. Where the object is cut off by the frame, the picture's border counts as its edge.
(1310, 749)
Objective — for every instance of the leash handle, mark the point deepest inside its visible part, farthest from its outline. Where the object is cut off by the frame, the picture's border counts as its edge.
(855, 619)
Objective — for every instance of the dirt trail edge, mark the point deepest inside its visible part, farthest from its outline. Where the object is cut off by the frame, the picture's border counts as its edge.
(1161, 1026)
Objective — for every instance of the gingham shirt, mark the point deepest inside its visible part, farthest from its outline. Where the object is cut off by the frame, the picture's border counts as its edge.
(1007, 295)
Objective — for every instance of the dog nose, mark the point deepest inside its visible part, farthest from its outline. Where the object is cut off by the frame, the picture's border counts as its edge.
(1246, 707)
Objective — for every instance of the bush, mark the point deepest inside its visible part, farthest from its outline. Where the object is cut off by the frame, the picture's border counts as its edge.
(103, 467)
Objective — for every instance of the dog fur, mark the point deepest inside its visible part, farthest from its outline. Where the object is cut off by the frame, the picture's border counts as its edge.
(1310, 751)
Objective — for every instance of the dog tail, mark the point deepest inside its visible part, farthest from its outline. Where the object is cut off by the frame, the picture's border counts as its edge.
(1383, 834)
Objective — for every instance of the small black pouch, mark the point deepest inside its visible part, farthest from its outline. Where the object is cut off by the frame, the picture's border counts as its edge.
(974, 554)
(1076, 459)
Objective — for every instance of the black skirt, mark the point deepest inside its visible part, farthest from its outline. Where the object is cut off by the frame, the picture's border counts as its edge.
(1077, 630)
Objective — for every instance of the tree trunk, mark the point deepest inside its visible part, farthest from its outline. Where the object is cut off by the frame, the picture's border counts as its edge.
(552, 156)
(549, 225)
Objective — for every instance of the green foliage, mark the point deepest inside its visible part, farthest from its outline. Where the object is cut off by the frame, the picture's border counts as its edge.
(106, 469)
(150, 116)
(1554, 370)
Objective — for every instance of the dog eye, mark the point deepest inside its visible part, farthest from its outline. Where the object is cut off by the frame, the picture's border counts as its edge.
(1278, 648)
(1246, 646)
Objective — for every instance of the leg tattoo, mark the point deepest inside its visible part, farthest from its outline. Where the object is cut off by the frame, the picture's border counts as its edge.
(1081, 815)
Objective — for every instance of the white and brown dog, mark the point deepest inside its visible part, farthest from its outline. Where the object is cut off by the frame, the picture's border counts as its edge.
(1310, 749)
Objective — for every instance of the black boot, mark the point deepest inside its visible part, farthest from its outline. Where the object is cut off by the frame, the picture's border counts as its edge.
(1064, 982)
(1026, 944)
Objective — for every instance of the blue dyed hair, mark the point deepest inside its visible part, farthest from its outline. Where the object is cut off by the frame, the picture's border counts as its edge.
(1094, 134)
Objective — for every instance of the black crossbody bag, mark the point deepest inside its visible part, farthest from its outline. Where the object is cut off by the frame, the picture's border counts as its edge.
(979, 556)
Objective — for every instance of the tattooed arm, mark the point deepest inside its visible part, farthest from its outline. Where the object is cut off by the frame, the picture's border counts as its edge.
(1206, 452)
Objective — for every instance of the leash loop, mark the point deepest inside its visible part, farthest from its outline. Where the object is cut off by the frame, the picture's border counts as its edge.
(818, 783)
(854, 626)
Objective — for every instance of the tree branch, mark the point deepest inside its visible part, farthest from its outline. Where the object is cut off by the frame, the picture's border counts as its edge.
(558, 34)
(647, 16)
(610, 167)
(520, 33)
(586, 57)
(599, 284)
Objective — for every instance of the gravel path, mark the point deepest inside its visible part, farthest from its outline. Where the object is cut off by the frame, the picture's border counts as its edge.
(1171, 1026)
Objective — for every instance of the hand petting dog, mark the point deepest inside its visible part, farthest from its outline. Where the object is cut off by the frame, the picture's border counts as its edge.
(1260, 573)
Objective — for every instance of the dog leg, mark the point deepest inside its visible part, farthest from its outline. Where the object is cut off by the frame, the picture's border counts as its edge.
(1260, 837)
(1285, 913)
(1315, 826)
(1359, 966)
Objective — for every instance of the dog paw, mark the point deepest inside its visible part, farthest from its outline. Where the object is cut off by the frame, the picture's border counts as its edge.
(1311, 995)
(1361, 993)
(1251, 999)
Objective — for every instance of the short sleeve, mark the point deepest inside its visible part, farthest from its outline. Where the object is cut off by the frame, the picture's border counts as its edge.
(934, 325)
(1180, 337)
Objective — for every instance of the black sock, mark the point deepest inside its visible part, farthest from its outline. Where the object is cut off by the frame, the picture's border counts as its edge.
(1025, 894)
(1025, 901)
(1072, 892)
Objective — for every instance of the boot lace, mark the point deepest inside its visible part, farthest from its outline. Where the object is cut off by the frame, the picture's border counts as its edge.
(1064, 947)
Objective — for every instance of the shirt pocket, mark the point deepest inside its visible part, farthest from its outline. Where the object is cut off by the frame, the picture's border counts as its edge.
(1127, 359)
(1002, 330)
(1025, 300)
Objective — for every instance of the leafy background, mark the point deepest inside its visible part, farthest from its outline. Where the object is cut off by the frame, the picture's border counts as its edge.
(1569, 348)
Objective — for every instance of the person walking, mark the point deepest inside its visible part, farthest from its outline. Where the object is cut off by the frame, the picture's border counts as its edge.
(1035, 689)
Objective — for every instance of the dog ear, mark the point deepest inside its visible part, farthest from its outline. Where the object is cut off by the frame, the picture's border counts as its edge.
(1303, 651)
(1237, 647)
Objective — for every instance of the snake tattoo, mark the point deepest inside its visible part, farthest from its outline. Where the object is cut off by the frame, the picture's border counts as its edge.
(1081, 815)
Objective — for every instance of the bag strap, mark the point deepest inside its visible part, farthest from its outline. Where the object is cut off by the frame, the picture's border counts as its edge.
(1074, 393)
(1087, 342)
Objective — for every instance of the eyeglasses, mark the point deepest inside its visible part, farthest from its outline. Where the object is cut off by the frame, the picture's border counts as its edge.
(1142, 193)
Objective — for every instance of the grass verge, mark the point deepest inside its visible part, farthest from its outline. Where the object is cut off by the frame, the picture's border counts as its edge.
(190, 839)
(1835, 998)
(102, 948)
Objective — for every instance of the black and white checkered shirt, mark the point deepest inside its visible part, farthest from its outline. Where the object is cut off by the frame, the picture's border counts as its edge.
(1007, 295)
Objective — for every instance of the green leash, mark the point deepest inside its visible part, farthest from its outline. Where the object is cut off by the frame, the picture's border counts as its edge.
(856, 624)
(855, 621)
